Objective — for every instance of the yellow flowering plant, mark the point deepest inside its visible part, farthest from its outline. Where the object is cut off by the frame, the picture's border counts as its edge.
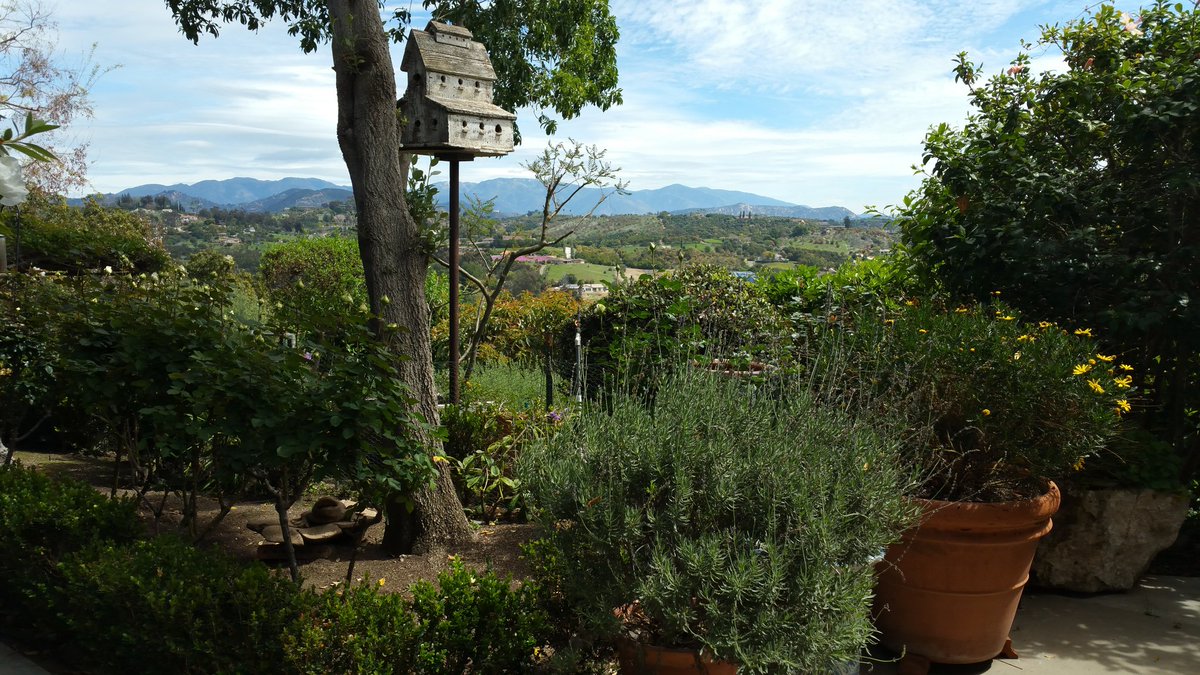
(999, 405)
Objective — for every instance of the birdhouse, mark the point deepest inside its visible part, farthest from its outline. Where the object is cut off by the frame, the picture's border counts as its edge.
(447, 109)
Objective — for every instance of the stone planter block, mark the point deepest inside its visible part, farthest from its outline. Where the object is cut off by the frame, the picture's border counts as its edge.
(1105, 539)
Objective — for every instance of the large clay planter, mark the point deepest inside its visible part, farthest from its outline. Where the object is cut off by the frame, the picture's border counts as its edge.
(636, 658)
(949, 590)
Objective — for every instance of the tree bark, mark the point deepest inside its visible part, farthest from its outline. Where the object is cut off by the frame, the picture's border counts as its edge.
(392, 250)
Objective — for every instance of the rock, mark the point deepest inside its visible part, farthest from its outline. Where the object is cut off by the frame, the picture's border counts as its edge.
(1104, 539)
(274, 535)
(277, 552)
(321, 533)
(326, 510)
(258, 523)
(370, 513)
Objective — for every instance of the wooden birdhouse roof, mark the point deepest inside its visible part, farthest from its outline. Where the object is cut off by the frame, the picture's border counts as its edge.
(443, 48)
(466, 107)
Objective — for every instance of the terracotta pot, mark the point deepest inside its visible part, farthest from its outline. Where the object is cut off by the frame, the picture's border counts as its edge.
(949, 589)
(642, 659)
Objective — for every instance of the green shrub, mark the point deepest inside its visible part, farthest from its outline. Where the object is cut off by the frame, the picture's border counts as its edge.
(42, 521)
(1073, 190)
(653, 322)
(878, 283)
(165, 606)
(469, 622)
(308, 278)
(720, 518)
(475, 622)
(58, 237)
(356, 630)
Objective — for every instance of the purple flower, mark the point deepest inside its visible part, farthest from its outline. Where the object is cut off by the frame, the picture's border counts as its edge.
(554, 416)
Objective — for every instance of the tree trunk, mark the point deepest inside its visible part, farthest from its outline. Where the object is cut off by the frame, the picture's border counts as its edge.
(391, 247)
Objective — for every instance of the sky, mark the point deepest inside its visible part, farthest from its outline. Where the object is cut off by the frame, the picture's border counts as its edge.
(815, 102)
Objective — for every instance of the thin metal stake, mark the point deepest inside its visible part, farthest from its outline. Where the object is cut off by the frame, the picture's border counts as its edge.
(454, 261)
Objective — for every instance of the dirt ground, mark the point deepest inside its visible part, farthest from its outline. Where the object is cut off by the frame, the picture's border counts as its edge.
(495, 547)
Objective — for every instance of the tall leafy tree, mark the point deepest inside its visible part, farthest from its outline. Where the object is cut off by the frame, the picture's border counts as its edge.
(555, 56)
(1076, 194)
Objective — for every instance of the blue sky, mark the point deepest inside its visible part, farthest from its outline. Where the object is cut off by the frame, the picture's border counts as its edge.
(818, 102)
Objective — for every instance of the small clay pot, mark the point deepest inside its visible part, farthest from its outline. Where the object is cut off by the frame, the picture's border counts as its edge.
(636, 658)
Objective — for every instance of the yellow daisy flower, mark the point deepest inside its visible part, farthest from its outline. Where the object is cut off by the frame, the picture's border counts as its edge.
(1123, 382)
(1081, 369)
(1087, 332)
(1123, 406)
(1095, 386)
(1106, 359)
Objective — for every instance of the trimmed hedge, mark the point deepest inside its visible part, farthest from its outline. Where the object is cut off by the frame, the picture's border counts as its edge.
(74, 572)
(43, 522)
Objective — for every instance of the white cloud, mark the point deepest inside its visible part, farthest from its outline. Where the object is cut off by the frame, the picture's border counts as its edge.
(812, 101)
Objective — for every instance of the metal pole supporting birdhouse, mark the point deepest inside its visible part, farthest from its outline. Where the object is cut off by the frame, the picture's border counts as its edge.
(447, 112)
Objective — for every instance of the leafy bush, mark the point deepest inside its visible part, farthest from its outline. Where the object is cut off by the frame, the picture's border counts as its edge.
(652, 322)
(524, 329)
(44, 521)
(1001, 404)
(476, 623)
(880, 283)
(29, 357)
(1074, 191)
(196, 399)
(55, 236)
(720, 518)
(357, 630)
(308, 278)
(164, 606)
(486, 435)
(469, 622)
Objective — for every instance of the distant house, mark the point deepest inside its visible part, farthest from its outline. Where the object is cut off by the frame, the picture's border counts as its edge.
(534, 259)
(748, 277)
(585, 291)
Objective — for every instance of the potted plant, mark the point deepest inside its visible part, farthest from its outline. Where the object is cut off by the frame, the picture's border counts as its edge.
(717, 527)
(999, 408)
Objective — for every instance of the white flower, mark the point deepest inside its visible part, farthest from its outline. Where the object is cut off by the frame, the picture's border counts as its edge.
(12, 185)
(1131, 25)
(108, 269)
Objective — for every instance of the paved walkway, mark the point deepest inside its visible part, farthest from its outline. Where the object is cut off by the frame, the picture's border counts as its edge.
(12, 663)
(1152, 630)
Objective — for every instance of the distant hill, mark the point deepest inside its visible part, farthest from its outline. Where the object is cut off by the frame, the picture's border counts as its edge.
(513, 196)
(232, 191)
(297, 199)
(518, 196)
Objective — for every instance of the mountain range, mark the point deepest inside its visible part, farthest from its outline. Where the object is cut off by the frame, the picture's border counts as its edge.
(513, 196)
